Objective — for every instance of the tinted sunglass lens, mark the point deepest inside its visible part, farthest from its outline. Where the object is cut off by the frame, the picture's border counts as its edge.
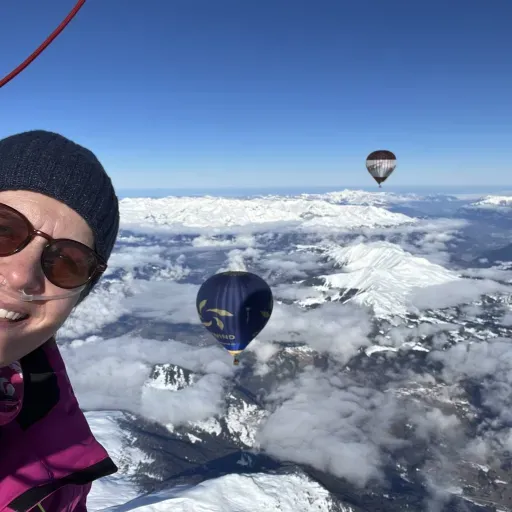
(68, 265)
(13, 231)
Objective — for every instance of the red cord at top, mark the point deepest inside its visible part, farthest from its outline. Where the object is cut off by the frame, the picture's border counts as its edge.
(44, 45)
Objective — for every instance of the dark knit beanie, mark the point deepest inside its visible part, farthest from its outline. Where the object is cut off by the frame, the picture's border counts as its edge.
(53, 165)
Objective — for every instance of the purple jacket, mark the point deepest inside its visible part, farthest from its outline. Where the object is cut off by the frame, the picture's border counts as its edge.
(48, 455)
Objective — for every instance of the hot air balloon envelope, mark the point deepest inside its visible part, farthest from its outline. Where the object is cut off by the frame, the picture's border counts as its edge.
(380, 165)
(234, 306)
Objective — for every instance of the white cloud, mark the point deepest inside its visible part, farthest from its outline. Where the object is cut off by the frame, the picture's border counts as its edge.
(197, 402)
(292, 265)
(237, 259)
(127, 258)
(334, 328)
(496, 274)
(104, 306)
(204, 241)
(507, 319)
(332, 424)
(113, 374)
(488, 364)
(168, 301)
(295, 292)
(454, 293)
(398, 335)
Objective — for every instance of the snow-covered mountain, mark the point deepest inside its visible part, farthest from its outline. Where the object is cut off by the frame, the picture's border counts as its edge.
(379, 275)
(241, 493)
(216, 213)
(118, 488)
(360, 197)
(493, 202)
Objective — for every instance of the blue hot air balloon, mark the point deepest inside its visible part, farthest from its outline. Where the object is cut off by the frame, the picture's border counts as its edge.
(234, 306)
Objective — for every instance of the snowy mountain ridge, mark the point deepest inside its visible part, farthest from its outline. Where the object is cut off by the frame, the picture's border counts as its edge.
(240, 493)
(222, 213)
(379, 275)
(361, 197)
(119, 487)
(492, 201)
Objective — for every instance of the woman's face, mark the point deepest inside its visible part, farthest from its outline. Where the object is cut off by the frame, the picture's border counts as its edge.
(22, 271)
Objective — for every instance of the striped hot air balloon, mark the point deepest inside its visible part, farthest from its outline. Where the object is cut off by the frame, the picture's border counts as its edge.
(380, 165)
(234, 306)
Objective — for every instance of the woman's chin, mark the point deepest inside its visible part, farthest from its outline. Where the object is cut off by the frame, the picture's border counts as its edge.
(13, 347)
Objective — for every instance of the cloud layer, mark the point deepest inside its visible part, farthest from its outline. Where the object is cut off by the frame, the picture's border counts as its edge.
(354, 415)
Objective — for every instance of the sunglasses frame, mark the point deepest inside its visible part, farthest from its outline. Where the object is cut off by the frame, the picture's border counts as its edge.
(101, 264)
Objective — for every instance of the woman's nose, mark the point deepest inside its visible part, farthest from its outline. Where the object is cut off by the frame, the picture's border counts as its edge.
(22, 271)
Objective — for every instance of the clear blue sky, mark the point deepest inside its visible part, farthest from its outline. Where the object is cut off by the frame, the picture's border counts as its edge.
(220, 93)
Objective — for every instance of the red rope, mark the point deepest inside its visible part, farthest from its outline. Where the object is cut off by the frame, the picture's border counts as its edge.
(44, 45)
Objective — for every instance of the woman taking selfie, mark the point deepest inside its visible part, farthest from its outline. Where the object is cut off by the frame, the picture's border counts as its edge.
(59, 219)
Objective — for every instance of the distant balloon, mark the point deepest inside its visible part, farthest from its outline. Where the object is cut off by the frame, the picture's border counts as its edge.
(234, 306)
(380, 165)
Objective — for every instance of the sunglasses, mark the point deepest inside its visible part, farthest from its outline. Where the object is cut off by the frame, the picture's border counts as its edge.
(66, 263)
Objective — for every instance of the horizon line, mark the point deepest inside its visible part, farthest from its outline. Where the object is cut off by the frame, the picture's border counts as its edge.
(317, 186)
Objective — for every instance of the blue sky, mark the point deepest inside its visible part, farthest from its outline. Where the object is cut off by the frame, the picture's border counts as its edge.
(231, 93)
